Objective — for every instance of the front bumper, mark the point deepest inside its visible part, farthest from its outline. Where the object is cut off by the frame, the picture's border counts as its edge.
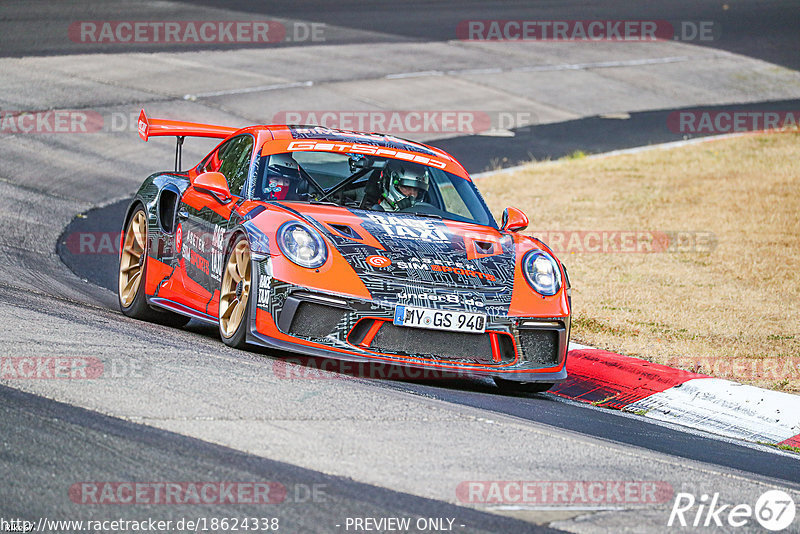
(328, 325)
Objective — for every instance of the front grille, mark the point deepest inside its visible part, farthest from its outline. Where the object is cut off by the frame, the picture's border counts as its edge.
(315, 320)
(539, 347)
(433, 343)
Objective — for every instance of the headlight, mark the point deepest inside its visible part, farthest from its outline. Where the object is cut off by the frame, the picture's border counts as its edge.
(542, 272)
(302, 245)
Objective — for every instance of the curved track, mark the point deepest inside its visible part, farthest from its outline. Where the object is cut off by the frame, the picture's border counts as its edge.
(216, 414)
(547, 409)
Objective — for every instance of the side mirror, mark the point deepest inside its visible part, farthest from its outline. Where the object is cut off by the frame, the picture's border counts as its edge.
(513, 220)
(215, 184)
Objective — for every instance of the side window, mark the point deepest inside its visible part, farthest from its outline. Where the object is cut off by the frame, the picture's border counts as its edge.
(235, 156)
(233, 160)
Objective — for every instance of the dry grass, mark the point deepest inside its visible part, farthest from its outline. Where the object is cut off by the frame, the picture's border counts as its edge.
(733, 312)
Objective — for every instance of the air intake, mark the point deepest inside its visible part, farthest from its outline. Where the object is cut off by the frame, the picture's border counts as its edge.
(315, 320)
(433, 343)
(539, 347)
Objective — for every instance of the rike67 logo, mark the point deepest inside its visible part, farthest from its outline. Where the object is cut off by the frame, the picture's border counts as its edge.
(774, 510)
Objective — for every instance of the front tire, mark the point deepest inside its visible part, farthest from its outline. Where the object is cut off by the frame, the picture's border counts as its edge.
(234, 296)
(132, 271)
(509, 386)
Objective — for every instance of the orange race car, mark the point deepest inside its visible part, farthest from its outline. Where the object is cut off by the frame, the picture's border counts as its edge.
(346, 245)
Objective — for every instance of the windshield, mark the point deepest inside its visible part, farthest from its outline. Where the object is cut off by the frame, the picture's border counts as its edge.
(369, 182)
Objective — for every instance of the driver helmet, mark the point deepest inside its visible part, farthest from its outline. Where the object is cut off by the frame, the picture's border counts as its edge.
(282, 177)
(403, 184)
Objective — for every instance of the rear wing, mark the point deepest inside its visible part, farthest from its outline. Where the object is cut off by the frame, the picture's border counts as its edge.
(155, 127)
(158, 127)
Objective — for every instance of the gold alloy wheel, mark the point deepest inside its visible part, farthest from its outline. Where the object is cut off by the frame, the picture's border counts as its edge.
(131, 263)
(235, 289)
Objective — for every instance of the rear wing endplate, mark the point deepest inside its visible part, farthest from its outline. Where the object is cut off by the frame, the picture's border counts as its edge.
(149, 127)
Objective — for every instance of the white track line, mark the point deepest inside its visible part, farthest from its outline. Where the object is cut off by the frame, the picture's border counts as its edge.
(542, 68)
(244, 90)
(455, 72)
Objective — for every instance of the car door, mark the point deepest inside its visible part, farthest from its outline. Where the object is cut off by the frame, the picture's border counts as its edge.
(204, 221)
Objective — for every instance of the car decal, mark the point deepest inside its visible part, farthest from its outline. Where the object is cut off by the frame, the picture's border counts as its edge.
(423, 262)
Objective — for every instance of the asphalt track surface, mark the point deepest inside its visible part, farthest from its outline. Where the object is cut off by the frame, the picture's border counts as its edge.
(100, 269)
(193, 383)
(92, 447)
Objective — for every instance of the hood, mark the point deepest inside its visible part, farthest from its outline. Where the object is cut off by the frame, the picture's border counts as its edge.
(420, 260)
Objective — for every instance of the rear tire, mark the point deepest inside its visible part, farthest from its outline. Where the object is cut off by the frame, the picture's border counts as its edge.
(132, 271)
(234, 295)
(509, 386)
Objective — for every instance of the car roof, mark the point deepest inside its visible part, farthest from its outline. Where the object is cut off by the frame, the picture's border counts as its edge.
(322, 133)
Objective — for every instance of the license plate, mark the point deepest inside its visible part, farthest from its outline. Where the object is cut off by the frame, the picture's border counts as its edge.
(453, 321)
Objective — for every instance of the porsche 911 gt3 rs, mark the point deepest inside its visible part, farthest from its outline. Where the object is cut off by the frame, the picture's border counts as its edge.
(285, 237)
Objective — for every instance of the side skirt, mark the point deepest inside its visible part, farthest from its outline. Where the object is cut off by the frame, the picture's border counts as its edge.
(182, 309)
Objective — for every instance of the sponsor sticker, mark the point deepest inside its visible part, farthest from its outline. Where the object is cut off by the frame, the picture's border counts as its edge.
(380, 262)
(408, 228)
(357, 148)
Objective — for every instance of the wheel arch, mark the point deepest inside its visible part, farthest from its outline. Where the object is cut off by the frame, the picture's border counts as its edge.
(233, 237)
(135, 203)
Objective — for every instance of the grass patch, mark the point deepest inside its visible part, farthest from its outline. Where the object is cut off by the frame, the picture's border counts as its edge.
(732, 295)
(790, 448)
(576, 154)
(603, 401)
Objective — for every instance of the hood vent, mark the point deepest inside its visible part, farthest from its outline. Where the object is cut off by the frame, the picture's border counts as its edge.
(346, 231)
(484, 247)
